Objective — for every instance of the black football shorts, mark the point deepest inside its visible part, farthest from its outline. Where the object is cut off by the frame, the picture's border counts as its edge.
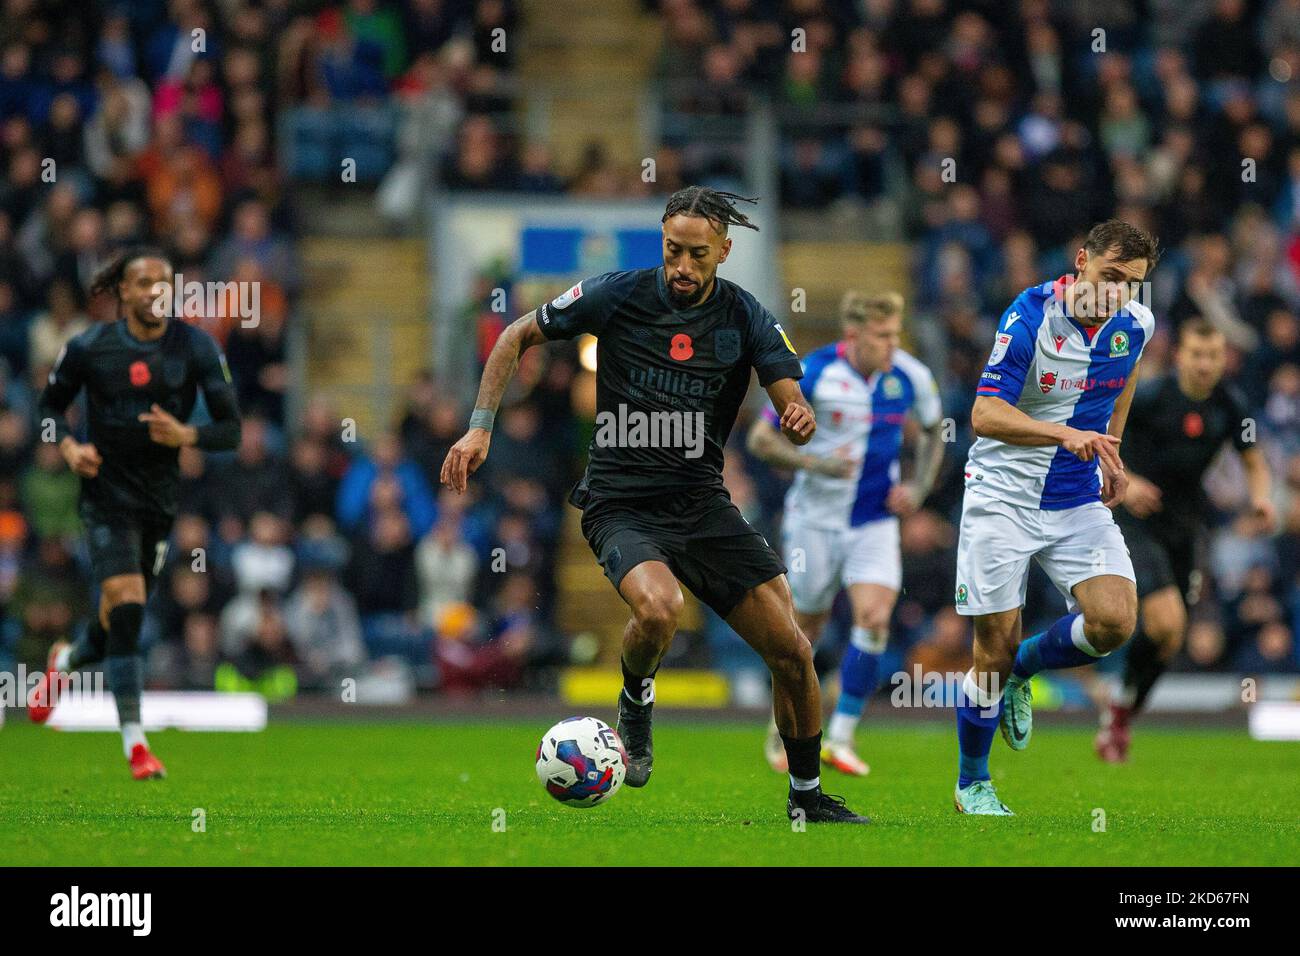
(1160, 561)
(125, 543)
(701, 536)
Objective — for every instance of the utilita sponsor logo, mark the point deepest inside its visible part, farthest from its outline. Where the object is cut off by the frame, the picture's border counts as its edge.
(675, 383)
(133, 910)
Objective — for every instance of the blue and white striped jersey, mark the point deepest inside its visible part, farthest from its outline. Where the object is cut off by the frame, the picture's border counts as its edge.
(859, 418)
(1054, 369)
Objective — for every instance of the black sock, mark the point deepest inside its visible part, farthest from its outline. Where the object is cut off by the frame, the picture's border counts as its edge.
(90, 647)
(635, 688)
(803, 754)
(1141, 670)
(125, 667)
(126, 680)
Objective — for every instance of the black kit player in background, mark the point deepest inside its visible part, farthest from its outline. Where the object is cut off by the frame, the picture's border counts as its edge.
(678, 341)
(1177, 426)
(141, 375)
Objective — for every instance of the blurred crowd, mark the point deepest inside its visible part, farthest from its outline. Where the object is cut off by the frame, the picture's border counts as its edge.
(307, 554)
(994, 133)
(119, 126)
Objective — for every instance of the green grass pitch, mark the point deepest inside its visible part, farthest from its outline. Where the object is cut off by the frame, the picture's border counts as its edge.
(410, 793)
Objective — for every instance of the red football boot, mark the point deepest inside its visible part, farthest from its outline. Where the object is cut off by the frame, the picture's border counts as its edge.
(144, 765)
(1112, 739)
(48, 687)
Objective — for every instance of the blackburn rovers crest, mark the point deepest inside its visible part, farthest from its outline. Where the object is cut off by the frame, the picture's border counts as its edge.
(1119, 345)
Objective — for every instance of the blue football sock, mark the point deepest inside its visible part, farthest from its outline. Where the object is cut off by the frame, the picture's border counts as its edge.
(850, 705)
(976, 727)
(974, 740)
(1055, 648)
(859, 674)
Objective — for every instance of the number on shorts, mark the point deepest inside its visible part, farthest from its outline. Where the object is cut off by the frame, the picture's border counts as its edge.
(159, 556)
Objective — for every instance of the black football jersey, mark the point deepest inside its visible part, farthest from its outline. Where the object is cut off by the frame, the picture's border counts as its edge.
(123, 377)
(669, 382)
(1171, 440)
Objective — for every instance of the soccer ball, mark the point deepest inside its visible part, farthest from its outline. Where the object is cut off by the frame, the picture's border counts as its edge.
(581, 761)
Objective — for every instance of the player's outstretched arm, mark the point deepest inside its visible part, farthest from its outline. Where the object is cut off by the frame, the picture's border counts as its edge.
(213, 377)
(906, 498)
(797, 419)
(64, 383)
(1123, 402)
(1259, 484)
(998, 419)
(224, 431)
(929, 457)
(766, 443)
(1115, 484)
(470, 452)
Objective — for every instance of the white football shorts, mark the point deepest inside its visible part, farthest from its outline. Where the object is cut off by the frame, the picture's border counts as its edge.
(820, 561)
(998, 538)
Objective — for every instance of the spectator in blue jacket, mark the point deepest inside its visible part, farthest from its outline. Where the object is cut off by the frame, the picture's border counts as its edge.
(386, 477)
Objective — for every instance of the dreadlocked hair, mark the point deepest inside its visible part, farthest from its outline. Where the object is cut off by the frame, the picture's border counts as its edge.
(108, 277)
(713, 204)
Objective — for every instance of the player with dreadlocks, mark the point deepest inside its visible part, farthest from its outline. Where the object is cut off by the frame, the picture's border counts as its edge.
(676, 345)
(141, 375)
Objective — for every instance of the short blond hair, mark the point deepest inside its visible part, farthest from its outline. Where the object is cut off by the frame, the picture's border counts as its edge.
(859, 307)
